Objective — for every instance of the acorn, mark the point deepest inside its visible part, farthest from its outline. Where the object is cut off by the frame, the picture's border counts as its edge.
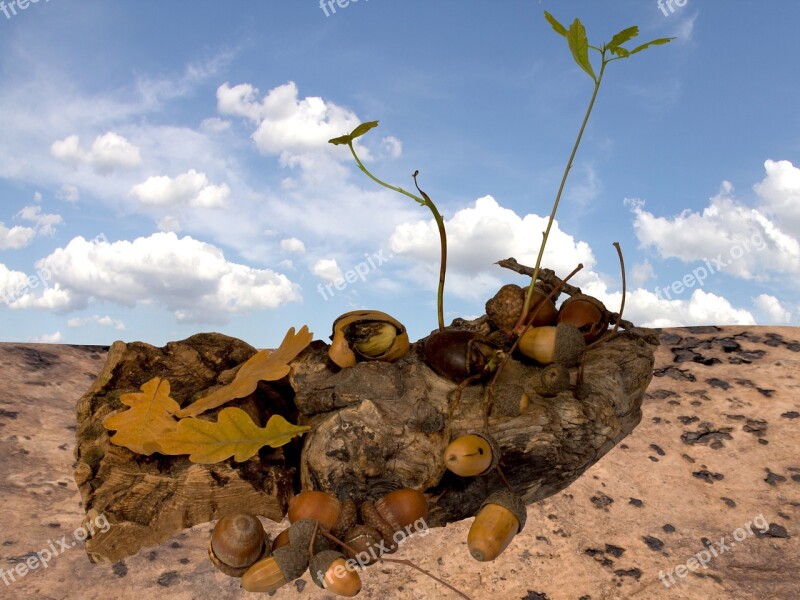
(457, 353)
(510, 399)
(363, 540)
(282, 539)
(300, 533)
(367, 335)
(553, 379)
(330, 571)
(315, 505)
(562, 343)
(586, 313)
(348, 517)
(237, 542)
(472, 454)
(372, 518)
(267, 575)
(501, 516)
(505, 307)
(403, 507)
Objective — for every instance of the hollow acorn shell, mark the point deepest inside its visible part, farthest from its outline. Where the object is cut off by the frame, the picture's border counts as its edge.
(342, 352)
(586, 313)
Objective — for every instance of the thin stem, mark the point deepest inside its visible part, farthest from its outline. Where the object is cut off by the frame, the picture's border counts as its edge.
(529, 295)
(622, 268)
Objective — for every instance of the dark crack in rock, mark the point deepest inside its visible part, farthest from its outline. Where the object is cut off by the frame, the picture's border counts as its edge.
(773, 478)
(706, 434)
(708, 476)
(675, 373)
(774, 531)
(653, 543)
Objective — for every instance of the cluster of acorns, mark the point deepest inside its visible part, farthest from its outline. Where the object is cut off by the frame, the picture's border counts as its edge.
(240, 547)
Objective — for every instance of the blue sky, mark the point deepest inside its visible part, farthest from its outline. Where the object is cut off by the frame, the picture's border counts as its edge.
(164, 167)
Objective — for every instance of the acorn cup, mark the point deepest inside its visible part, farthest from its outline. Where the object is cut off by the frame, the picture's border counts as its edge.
(471, 455)
(562, 343)
(586, 313)
(367, 335)
(552, 380)
(501, 516)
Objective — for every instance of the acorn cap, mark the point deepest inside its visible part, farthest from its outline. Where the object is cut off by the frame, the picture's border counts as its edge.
(553, 379)
(320, 563)
(510, 399)
(512, 503)
(587, 313)
(293, 562)
(300, 533)
(569, 344)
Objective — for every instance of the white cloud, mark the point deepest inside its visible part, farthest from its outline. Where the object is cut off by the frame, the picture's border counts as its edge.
(191, 278)
(772, 310)
(15, 237)
(108, 153)
(45, 223)
(68, 193)
(37, 196)
(47, 338)
(780, 194)
(327, 270)
(392, 147)
(12, 283)
(192, 188)
(293, 245)
(106, 321)
(480, 235)
(215, 125)
(641, 273)
(169, 223)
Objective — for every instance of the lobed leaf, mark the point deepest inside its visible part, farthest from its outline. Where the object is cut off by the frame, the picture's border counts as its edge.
(262, 366)
(234, 434)
(579, 45)
(149, 417)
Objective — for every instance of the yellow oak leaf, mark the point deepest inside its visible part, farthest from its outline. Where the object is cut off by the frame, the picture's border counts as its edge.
(262, 366)
(149, 417)
(234, 434)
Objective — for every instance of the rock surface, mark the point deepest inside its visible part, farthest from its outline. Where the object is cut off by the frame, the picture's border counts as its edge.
(718, 448)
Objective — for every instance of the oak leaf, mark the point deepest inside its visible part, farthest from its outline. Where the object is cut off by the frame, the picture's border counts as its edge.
(149, 417)
(234, 434)
(262, 366)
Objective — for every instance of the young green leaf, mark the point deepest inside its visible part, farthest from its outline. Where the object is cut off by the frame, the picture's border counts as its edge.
(622, 37)
(362, 129)
(342, 140)
(658, 42)
(558, 27)
(620, 51)
(579, 46)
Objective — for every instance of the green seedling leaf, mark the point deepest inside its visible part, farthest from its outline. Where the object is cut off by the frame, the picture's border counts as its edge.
(342, 140)
(622, 37)
(658, 42)
(558, 27)
(362, 129)
(620, 51)
(579, 46)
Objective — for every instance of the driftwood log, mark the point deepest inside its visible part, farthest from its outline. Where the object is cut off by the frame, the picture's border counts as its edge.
(375, 427)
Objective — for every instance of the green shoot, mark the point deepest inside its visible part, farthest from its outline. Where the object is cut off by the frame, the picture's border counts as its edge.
(424, 201)
(579, 46)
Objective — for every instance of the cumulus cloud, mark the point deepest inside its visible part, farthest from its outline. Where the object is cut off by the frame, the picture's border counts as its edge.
(68, 193)
(45, 223)
(14, 238)
(480, 235)
(641, 273)
(169, 223)
(105, 321)
(108, 153)
(328, 270)
(12, 283)
(191, 278)
(293, 245)
(192, 188)
(47, 338)
(779, 192)
(215, 125)
(771, 310)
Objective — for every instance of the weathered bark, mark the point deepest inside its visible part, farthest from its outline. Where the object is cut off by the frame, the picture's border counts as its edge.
(375, 426)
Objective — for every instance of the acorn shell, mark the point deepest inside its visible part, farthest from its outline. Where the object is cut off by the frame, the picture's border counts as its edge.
(342, 352)
(586, 313)
(457, 353)
(402, 507)
(316, 505)
(237, 542)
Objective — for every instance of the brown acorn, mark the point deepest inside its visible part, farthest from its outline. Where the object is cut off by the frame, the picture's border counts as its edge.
(282, 539)
(505, 307)
(348, 517)
(237, 542)
(315, 505)
(367, 335)
(586, 313)
(364, 541)
(472, 454)
(402, 508)
(500, 518)
(562, 343)
(372, 518)
(457, 353)
(269, 574)
(330, 571)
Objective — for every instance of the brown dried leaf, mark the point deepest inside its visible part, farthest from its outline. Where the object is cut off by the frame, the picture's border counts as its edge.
(262, 366)
(234, 434)
(149, 417)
